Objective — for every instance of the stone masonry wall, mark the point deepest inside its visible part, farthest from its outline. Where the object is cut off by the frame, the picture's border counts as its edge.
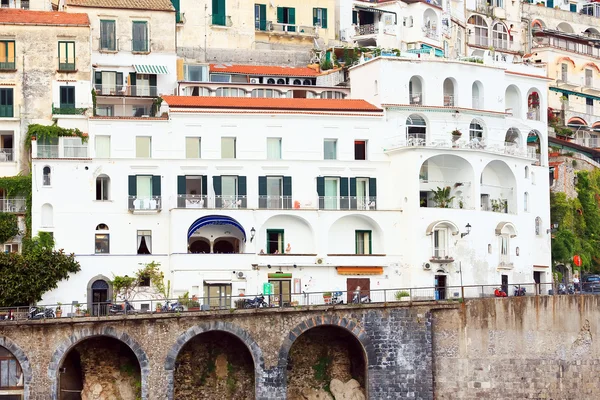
(542, 347)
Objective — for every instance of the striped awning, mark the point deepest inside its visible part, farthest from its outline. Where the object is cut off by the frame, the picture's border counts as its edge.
(151, 69)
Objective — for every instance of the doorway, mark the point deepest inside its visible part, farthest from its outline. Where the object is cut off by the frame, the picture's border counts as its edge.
(99, 298)
(537, 278)
(353, 283)
(505, 284)
(440, 287)
(282, 292)
(217, 295)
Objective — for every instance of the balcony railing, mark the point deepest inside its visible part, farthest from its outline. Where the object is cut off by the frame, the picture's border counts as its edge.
(6, 155)
(567, 45)
(66, 66)
(533, 114)
(592, 142)
(347, 203)
(500, 44)
(68, 110)
(275, 202)
(47, 151)
(145, 203)
(192, 201)
(506, 261)
(8, 66)
(368, 29)
(12, 205)
(431, 33)
(221, 20)
(230, 201)
(448, 100)
(277, 27)
(126, 90)
(75, 151)
(415, 98)
(441, 255)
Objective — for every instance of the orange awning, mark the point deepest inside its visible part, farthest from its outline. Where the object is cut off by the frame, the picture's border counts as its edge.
(360, 270)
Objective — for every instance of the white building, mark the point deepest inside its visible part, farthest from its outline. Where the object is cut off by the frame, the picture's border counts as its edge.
(313, 194)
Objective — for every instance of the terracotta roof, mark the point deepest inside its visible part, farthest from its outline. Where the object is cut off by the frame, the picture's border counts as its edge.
(12, 16)
(263, 70)
(261, 103)
(150, 5)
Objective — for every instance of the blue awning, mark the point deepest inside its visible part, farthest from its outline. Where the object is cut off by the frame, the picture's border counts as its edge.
(214, 220)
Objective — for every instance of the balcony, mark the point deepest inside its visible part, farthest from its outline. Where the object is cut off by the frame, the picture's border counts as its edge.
(8, 66)
(441, 255)
(47, 151)
(126, 90)
(431, 33)
(275, 202)
(230, 202)
(66, 66)
(478, 40)
(141, 204)
(367, 29)
(68, 151)
(363, 203)
(12, 205)
(506, 262)
(192, 201)
(415, 98)
(80, 151)
(68, 111)
(6, 155)
(572, 46)
(448, 100)
(285, 29)
(591, 142)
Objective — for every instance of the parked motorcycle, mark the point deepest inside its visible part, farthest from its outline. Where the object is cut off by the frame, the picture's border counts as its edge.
(499, 293)
(520, 291)
(172, 307)
(571, 289)
(337, 298)
(359, 298)
(257, 302)
(562, 289)
(126, 308)
(40, 313)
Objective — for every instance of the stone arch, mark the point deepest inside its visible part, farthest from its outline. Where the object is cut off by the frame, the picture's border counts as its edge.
(19, 354)
(352, 327)
(239, 333)
(77, 337)
(90, 291)
(565, 27)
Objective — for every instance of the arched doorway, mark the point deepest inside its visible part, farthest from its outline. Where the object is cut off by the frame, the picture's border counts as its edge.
(214, 365)
(11, 376)
(320, 355)
(216, 234)
(100, 367)
(498, 188)
(99, 293)
(512, 101)
(416, 130)
(200, 246)
(225, 246)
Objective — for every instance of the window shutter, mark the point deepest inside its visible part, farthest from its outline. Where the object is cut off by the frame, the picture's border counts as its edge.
(156, 185)
(132, 185)
(152, 81)
(287, 192)
(132, 83)
(291, 16)
(204, 185)
(242, 190)
(344, 200)
(181, 184)
(372, 187)
(280, 15)
(355, 17)
(353, 200)
(262, 185)
(321, 191)
(98, 78)
(119, 78)
(263, 16)
(324, 18)
(315, 19)
(217, 185)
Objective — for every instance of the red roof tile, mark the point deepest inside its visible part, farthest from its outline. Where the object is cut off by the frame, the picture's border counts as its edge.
(263, 70)
(11, 16)
(146, 5)
(261, 103)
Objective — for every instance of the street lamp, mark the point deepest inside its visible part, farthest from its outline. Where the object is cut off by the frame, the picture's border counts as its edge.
(468, 227)
(252, 233)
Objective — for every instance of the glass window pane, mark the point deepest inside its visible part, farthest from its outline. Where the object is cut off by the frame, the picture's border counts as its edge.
(329, 149)
(229, 185)
(274, 148)
(192, 147)
(227, 147)
(103, 146)
(142, 147)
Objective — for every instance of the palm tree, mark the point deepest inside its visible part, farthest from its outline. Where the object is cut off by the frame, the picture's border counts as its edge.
(442, 198)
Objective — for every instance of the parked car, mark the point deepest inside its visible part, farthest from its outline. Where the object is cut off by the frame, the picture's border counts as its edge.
(590, 284)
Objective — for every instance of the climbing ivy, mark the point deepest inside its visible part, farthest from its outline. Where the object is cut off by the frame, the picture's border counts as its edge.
(45, 132)
(128, 285)
(18, 186)
(8, 227)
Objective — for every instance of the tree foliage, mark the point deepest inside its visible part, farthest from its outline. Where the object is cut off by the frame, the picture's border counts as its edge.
(44, 132)
(24, 278)
(127, 286)
(9, 227)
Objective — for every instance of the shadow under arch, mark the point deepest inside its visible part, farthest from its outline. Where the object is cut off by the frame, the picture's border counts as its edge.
(69, 344)
(196, 330)
(352, 327)
(19, 354)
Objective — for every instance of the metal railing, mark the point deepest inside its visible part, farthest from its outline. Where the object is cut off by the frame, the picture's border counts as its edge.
(275, 202)
(66, 66)
(533, 114)
(415, 98)
(12, 205)
(80, 151)
(192, 201)
(593, 142)
(441, 255)
(230, 201)
(126, 90)
(6, 155)
(368, 29)
(47, 151)
(501, 44)
(348, 203)
(68, 111)
(387, 297)
(145, 203)
(8, 66)
(506, 261)
(431, 33)
(290, 28)
(449, 100)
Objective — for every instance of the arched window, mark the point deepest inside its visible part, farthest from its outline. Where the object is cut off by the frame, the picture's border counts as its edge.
(477, 94)
(11, 375)
(475, 130)
(281, 81)
(46, 176)
(230, 92)
(297, 82)
(102, 187)
(331, 94)
(449, 92)
(307, 82)
(47, 216)
(500, 36)
(415, 90)
(270, 81)
(416, 130)
(538, 226)
(526, 202)
(526, 172)
(102, 240)
(481, 30)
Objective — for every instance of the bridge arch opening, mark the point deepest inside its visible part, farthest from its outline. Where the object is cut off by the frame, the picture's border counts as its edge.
(321, 355)
(100, 367)
(214, 365)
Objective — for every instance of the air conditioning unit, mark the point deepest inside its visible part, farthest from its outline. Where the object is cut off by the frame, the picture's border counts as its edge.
(565, 2)
(241, 275)
(320, 261)
(254, 80)
(426, 266)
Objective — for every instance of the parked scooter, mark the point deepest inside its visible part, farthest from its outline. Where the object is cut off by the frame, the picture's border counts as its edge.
(337, 298)
(562, 289)
(359, 298)
(126, 308)
(172, 307)
(40, 313)
(571, 289)
(499, 292)
(257, 302)
(520, 291)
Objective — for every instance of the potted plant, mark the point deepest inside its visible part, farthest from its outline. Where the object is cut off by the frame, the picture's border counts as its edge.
(442, 198)
(193, 304)
(77, 309)
(85, 312)
(327, 297)
(158, 307)
(461, 205)
(58, 310)
(456, 134)
(402, 295)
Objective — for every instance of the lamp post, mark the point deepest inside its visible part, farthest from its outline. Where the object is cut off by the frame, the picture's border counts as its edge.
(252, 233)
(468, 227)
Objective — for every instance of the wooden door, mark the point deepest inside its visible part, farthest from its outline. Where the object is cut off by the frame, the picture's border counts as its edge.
(353, 283)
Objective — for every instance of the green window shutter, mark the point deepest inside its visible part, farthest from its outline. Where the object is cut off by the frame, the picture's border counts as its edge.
(217, 185)
(152, 80)
(573, 7)
(242, 191)
(370, 242)
(550, 3)
(280, 15)
(291, 19)
(156, 185)
(132, 83)
(204, 185)
(177, 8)
(355, 17)
(315, 19)
(132, 185)
(181, 184)
(320, 186)
(287, 185)
(372, 187)
(262, 185)
(324, 18)
(344, 200)
(98, 78)
(353, 200)
(263, 17)
(218, 12)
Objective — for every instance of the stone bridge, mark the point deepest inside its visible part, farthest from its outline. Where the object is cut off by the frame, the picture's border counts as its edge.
(535, 346)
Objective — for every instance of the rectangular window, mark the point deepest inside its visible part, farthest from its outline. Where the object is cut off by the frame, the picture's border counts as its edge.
(287, 17)
(143, 147)
(330, 149)
(102, 183)
(196, 73)
(102, 146)
(108, 82)
(11, 248)
(191, 191)
(144, 242)
(6, 102)
(217, 295)
(218, 12)
(274, 192)
(7, 55)
(229, 191)
(589, 78)
(139, 37)
(440, 243)
(108, 40)
(67, 97)
(260, 17)
(320, 17)
(275, 241)
(102, 243)
(228, 147)
(192, 147)
(105, 110)
(332, 199)
(360, 149)
(10, 374)
(220, 78)
(73, 147)
(273, 148)
(363, 242)
(504, 245)
(66, 56)
(363, 201)
(573, 7)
